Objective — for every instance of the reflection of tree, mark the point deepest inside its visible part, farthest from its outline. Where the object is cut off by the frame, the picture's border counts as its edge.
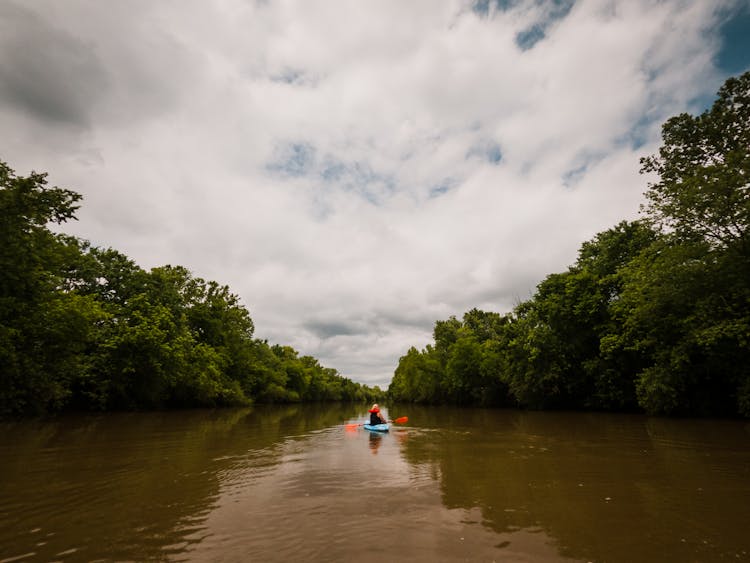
(131, 486)
(598, 484)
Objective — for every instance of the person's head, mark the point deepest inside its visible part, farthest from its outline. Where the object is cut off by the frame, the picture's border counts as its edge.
(375, 408)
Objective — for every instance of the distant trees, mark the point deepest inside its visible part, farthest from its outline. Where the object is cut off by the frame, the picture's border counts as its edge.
(86, 328)
(545, 354)
(654, 314)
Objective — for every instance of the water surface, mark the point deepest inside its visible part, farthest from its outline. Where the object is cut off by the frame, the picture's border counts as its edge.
(292, 483)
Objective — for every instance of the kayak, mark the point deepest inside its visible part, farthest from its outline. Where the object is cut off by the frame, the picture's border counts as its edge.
(376, 427)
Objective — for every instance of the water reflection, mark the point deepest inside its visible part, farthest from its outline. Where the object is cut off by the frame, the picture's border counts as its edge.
(375, 441)
(293, 483)
(135, 486)
(331, 499)
(606, 487)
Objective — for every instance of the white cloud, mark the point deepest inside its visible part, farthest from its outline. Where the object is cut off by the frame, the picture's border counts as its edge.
(356, 171)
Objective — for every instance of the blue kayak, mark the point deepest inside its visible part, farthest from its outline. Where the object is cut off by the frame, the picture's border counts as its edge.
(376, 427)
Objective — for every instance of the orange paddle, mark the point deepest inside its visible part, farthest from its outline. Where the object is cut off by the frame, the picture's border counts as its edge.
(400, 420)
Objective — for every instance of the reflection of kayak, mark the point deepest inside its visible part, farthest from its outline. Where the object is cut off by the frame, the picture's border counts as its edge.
(376, 427)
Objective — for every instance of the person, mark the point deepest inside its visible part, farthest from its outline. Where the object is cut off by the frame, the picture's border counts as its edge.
(375, 416)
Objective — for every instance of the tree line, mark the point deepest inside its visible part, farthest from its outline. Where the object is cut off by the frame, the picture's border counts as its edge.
(86, 328)
(654, 315)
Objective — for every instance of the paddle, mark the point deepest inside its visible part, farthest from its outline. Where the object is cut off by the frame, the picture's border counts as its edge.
(400, 420)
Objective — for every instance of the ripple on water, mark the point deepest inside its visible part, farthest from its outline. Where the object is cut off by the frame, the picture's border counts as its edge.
(529, 492)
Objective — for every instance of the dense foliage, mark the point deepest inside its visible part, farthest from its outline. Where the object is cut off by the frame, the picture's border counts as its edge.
(654, 314)
(86, 328)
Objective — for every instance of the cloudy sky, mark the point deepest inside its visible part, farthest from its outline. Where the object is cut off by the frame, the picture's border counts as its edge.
(356, 170)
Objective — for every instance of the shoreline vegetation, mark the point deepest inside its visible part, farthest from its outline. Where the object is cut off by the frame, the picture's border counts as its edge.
(86, 329)
(654, 315)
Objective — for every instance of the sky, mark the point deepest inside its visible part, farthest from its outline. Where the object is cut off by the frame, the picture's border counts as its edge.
(356, 170)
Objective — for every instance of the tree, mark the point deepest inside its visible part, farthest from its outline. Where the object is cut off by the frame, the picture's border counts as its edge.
(87, 328)
(654, 313)
(34, 317)
(462, 380)
(445, 335)
(556, 356)
(703, 169)
(682, 313)
(690, 296)
(417, 377)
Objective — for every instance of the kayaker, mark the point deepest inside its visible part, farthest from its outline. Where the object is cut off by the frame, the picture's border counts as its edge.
(375, 416)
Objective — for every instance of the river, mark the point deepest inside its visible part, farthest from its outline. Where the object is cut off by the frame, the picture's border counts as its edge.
(292, 483)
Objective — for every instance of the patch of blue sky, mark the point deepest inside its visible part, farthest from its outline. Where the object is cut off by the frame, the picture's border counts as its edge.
(298, 159)
(734, 55)
(332, 170)
(560, 8)
(527, 38)
(293, 159)
(574, 175)
(483, 7)
(582, 164)
(294, 77)
(348, 173)
(639, 134)
(488, 151)
(555, 10)
(446, 185)
(363, 180)
(494, 154)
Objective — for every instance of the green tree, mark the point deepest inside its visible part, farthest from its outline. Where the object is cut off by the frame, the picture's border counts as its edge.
(685, 313)
(87, 328)
(532, 372)
(463, 375)
(690, 297)
(43, 332)
(418, 378)
(561, 353)
(654, 313)
(703, 170)
(445, 334)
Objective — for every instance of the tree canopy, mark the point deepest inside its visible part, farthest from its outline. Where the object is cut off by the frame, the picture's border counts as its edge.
(86, 328)
(655, 313)
(703, 169)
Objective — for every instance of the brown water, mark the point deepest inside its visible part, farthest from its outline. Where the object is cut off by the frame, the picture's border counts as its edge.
(292, 484)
